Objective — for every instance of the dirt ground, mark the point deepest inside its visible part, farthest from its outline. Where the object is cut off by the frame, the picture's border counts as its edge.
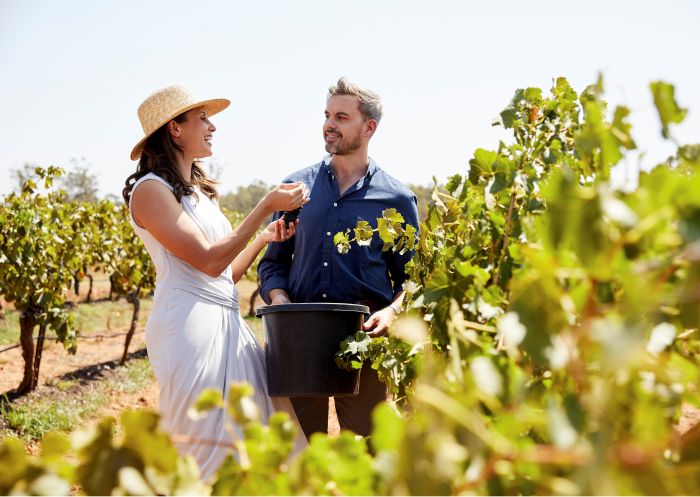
(56, 362)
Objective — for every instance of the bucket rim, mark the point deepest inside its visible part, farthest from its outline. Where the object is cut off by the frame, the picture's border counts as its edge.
(311, 307)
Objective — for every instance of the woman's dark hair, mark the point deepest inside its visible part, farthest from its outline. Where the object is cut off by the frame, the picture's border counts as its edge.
(160, 156)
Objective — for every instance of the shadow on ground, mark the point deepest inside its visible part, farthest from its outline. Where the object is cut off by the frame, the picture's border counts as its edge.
(84, 376)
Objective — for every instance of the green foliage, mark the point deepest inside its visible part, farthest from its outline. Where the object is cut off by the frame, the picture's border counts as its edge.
(391, 229)
(48, 474)
(334, 466)
(38, 253)
(96, 228)
(262, 462)
(235, 217)
(143, 461)
(129, 265)
(666, 105)
(561, 312)
(396, 361)
(258, 467)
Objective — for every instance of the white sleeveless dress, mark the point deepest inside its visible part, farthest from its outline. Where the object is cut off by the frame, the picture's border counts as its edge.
(197, 339)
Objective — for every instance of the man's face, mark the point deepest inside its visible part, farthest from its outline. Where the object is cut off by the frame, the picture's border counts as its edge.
(344, 130)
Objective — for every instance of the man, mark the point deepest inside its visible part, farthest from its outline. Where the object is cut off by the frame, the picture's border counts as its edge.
(346, 187)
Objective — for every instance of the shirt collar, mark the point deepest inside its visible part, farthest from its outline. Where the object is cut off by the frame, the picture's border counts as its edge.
(371, 169)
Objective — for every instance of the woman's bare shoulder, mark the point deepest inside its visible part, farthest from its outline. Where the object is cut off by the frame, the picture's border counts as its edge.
(151, 199)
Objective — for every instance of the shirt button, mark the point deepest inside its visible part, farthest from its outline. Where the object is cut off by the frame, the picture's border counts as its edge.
(325, 264)
(328, 233)
(335, 204)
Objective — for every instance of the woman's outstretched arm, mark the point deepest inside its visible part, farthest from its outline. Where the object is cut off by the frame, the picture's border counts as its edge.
(155, 208)
(275, 232)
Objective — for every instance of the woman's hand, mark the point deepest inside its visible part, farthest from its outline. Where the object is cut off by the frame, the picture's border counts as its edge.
(277, 232)
(286, 197)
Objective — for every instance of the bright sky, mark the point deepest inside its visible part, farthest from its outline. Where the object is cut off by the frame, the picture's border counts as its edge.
(73, 72)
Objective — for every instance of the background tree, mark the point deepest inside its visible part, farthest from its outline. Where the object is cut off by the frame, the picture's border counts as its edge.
(97, 229)
(79, 183)
(115, 199)
(213, 169)
(80, 186)
(251, 274)
(21, 175)
(131, 271)
(424, 195)
(39, 254)
(245, 198)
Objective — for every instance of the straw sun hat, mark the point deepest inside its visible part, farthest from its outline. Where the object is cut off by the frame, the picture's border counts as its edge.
(168, 103)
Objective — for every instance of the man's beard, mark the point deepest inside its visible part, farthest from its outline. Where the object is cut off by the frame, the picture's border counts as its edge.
(340, 148)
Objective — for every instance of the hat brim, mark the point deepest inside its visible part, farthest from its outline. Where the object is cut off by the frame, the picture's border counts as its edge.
(213, 106)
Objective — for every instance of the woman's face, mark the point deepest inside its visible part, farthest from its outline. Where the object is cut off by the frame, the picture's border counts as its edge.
(194, 134)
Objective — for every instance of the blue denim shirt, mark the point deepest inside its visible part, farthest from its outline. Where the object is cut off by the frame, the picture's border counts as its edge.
(309, 267)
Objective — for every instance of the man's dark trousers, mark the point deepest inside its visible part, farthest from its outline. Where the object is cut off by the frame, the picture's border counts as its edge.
(312, 412)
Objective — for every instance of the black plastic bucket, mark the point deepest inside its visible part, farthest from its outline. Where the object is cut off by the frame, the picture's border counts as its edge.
(300, 345)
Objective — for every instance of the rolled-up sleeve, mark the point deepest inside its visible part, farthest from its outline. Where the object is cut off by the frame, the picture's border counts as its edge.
(395, 260)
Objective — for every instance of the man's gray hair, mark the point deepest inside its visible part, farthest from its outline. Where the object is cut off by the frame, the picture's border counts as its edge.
(370, 103)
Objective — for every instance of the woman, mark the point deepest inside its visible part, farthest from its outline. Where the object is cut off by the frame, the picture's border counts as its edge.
(195, 335)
